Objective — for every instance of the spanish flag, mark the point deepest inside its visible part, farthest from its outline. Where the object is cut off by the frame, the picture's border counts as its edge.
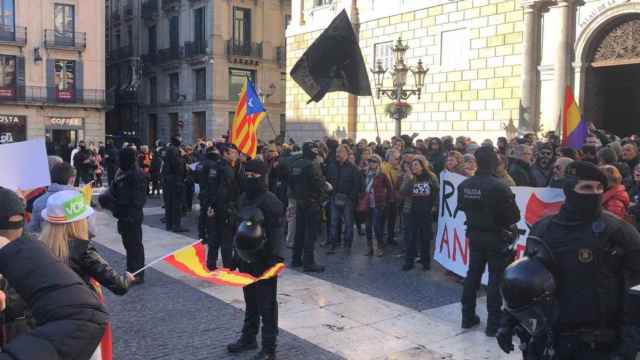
(190, 260)
(574, 128)
(249, 114)
(105, 348)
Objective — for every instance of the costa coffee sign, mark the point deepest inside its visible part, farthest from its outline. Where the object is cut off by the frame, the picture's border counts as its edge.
(13, 128)
(65, 122)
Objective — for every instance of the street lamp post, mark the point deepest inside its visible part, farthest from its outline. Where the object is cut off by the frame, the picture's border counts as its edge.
(398, 93)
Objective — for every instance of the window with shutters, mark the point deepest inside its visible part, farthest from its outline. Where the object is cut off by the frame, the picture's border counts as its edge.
(7, 16)
(199, 29)
(241, 26)
(153, 90)
(174, 87)
(64, 24)
(8, 75)
(174, 32)
(65, 79)
(236, 81)
(200, 76)
(153, 39)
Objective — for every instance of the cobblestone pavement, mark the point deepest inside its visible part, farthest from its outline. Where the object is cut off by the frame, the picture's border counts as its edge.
(361, 308)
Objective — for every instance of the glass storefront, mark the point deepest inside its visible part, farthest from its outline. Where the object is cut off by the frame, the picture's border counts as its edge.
(63, 135)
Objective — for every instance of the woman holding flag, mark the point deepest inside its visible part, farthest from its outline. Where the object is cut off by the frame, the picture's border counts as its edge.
(66, 234)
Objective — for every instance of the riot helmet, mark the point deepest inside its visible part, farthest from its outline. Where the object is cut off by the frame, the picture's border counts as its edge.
(528, 290)
(250, 237)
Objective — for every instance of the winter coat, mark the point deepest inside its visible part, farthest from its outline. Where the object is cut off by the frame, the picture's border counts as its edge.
(70, 319)
(520, 171)
(539, 176)
(616, 200)
(505, 178)
(381, 189)
(88, 264)
(345, 179)
(130, 194)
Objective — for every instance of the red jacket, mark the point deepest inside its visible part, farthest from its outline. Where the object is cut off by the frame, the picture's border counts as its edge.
(382, 190)
(616, 200)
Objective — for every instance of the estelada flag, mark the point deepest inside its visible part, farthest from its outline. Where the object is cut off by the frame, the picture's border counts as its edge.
(190, 260)
(574, 128)
(249, 114)
(333, 62)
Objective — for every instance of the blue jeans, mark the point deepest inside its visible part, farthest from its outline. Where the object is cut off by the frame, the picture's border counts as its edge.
(375, 223)
(341, 216)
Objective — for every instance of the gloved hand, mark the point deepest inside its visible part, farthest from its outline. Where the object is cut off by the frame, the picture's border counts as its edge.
(505, 339)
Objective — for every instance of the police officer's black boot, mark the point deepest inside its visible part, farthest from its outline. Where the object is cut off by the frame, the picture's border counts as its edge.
(470, 321)
(265, 355)
(242, 345)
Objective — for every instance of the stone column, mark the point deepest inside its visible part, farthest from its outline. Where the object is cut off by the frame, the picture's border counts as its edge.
(530, 59)
(563, 52)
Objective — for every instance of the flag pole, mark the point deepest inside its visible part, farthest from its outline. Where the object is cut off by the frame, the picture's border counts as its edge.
(375, 116)
(161, 258)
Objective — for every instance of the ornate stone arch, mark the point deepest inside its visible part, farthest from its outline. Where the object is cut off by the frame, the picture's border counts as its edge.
(593, 34)
(620, 46)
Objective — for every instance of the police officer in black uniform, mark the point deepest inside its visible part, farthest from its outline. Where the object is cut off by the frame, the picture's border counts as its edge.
(224, 211)
(491, 212)
(595, 260)
(259, 242)
(208, 176)
(173, 172)
(308, 189)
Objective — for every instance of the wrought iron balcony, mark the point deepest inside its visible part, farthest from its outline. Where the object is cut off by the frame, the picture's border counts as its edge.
(170, 54)
(121, 53)
(195, 48)
(41, 95)
(150, 9)
(247, 50)
(65, 40)
(281, 56)
(13, 35)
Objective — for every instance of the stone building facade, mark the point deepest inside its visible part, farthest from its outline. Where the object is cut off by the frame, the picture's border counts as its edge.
(184, 68)
(52, 65)
(491, 63)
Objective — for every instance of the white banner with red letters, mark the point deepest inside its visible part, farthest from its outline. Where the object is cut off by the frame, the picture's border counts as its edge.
(451, 243)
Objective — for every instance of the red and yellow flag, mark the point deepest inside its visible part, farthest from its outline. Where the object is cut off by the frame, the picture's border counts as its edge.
(190, 260)
(249, 114)
(105, 348)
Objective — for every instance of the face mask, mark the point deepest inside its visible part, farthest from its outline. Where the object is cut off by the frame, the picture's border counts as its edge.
(584, 206)
(255, 186)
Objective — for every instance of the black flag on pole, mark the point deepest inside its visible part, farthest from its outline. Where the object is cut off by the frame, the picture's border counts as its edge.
(333, 62)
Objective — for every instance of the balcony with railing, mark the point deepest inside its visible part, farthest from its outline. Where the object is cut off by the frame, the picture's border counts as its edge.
(281, 56)
(121, 53)
(244, 53)
(65, 40)
(194, 49)
(150, 10)
(13, 35)
(170, 55)
(42, 95)
(149, 60)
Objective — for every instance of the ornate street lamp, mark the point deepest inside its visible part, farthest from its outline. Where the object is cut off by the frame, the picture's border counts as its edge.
(399, 109)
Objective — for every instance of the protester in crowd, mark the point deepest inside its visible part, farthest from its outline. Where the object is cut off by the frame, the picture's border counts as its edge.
(63, 176)
(470, 166)
(501, 171)
(144, 162)
(615, 198)
(346, 181)
(558, 172)
(630, 154)
(130, 195)
(423, 194)
(110, 161)
(436, 154)
(502, 146)
(378, 189)
(155, 169)
(520, 166)
(589, 154)
(607, 156)
(174, 172)
(69, 319)
(391, 168)
(455, 163)
(85, 164)
(541, 170)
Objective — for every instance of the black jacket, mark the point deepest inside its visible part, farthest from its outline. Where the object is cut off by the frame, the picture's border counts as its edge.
(307, 182)
(209, 178)
(70, 319)
(520, 172)
(345, 179)
(130, 195)
(174, 166)
(273, 211)
(88, 264)
(489, 205)
(226, 202)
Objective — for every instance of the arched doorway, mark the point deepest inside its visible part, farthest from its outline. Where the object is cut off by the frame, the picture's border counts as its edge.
(612, 76)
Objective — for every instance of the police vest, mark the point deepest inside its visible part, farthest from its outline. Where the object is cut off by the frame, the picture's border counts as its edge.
(587, 269)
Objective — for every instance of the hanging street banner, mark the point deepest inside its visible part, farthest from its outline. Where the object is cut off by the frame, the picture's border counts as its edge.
(451, 243)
